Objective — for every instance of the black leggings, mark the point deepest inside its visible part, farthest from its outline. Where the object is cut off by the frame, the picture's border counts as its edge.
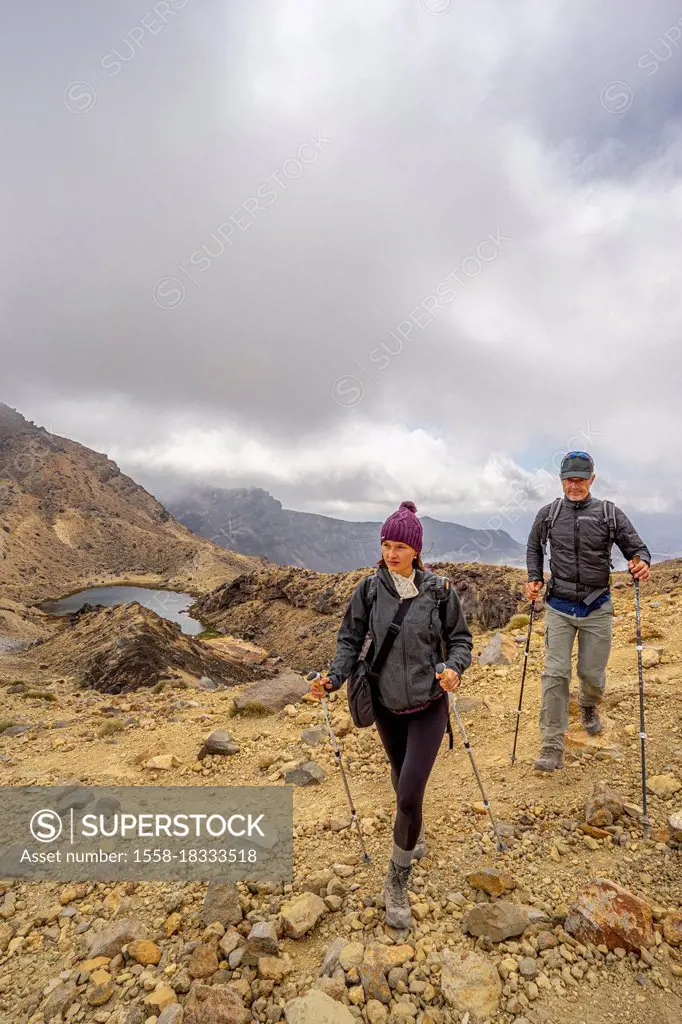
(412, 743)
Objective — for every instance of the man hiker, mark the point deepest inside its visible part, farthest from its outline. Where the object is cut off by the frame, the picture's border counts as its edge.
(581, 531)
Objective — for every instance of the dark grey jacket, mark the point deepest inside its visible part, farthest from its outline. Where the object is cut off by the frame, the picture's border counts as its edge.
(579, 548)
(408, 677)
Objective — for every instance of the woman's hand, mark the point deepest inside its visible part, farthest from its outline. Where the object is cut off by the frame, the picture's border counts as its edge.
(320, 687)
(449, 680)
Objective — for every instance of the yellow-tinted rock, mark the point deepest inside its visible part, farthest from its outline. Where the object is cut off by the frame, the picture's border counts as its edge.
(100, 987)
(162, 996)
(145, 952)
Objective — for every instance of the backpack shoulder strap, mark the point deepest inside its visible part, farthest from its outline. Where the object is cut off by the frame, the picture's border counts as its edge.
(372, 588)
(609, 510)
(550, 519)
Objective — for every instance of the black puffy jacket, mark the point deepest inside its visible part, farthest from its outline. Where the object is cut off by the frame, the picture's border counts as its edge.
(408, 676)
(580, 558)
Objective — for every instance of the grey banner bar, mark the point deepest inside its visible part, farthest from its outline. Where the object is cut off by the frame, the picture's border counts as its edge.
(146, 833)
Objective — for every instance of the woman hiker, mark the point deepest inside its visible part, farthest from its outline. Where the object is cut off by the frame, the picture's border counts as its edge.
(410, 701)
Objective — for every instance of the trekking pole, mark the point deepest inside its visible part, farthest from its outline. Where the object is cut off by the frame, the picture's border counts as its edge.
(523, 679)
(642, 730)
(337, 753)
(501, 845)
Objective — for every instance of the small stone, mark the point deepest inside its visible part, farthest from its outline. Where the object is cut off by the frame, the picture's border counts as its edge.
(546, 940)
(161, 997)
(163, 762)
(301, 914)
(492, 881)
(114, 936)
(173, 1014)
(59, 1000)
(331, 957)
(313, 737)
(351, 955)
(308, 774)
(144, 952)
(100, 988)
(675, 827)
(356, 995)
(672, 928)
(271, 968)
(203, 962)
(528, 967)
(603, 806)
(663, 786)
(500, 650)
(470, 984)
(219, 743)
(374, 983)
(229, 942)
(316, 1008)
(219, 1004)
(262, 941)
(221, 903)
(376, 1012)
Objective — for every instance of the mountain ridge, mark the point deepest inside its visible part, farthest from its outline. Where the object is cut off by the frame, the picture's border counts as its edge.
(253, 522)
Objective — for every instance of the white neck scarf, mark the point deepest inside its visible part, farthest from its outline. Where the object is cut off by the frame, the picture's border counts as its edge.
(405, 585)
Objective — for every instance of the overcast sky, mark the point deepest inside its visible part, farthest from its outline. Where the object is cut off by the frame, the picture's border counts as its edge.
(349, 252)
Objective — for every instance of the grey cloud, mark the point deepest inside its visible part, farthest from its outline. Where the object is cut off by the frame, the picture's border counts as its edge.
(446, 130)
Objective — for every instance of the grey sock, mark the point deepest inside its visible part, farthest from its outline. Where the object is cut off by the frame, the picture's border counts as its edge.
(401, 858)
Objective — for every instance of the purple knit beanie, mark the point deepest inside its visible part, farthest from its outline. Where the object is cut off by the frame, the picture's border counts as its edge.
(404, 526)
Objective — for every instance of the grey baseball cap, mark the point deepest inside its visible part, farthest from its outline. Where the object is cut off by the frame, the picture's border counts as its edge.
(579, 464)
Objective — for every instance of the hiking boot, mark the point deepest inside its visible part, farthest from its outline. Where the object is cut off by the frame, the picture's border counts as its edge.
(590, 719)
(549, 759)
(398, 913)
(421, 849)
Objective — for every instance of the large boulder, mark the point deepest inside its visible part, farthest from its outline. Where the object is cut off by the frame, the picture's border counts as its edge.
(500, 650)
(470, 985)
(270, 695)
(606, 914)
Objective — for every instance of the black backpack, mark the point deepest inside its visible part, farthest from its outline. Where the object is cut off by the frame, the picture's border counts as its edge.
(608, 508)
(442, 609)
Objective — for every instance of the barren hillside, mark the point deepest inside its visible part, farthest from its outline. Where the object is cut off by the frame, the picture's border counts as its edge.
(69, 517)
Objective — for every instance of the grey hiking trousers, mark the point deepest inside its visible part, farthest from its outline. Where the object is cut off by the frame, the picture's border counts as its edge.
(594, 646)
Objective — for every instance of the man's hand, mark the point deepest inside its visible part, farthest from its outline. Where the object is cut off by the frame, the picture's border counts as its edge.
(449, 680)
(533, 589)
(639, 569)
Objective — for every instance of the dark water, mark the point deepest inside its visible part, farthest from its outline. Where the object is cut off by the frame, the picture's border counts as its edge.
(169, 604)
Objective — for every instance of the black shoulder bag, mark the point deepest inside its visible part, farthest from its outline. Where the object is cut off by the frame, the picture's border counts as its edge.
(367, 670)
